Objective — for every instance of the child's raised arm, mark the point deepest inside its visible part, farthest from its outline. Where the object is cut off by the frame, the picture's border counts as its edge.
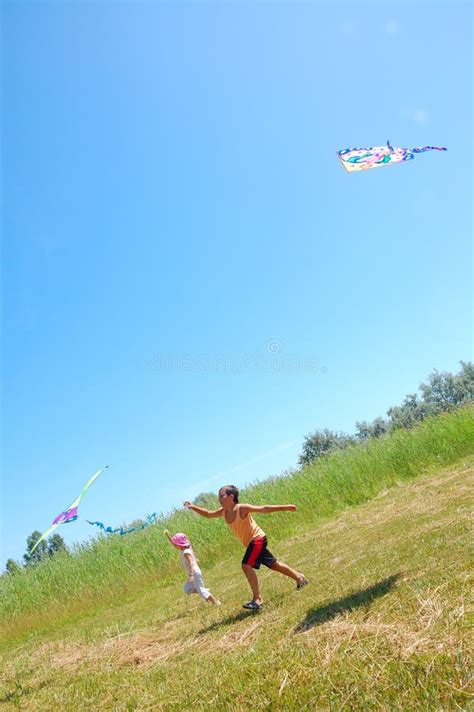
(209, 514)
(265, 508)
(168, 535)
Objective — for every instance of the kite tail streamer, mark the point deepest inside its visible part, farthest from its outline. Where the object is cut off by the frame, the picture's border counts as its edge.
(421, 149)
(151, 519)
(101, 525)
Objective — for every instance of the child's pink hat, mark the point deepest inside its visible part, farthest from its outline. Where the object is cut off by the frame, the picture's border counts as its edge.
(181, 540)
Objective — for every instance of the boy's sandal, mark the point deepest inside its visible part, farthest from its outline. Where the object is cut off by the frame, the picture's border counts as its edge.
(252, 606)
(302, 584)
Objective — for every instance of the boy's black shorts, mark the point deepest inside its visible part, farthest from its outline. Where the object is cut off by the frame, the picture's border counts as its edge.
(257, 553)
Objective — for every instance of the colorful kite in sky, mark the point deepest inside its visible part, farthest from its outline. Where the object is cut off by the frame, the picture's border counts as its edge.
(69, 514)
(151, 519)
(361, 159)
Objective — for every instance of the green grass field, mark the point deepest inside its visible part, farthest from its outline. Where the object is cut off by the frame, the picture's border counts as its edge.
(383, 624)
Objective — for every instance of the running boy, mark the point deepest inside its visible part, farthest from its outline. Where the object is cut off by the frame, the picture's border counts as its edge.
(240, 520)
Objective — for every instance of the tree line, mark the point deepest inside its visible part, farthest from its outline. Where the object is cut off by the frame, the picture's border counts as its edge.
(47, 547)
(441, 392)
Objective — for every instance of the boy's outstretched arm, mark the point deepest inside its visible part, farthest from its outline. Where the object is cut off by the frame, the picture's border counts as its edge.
(209, 514)
(266, 508)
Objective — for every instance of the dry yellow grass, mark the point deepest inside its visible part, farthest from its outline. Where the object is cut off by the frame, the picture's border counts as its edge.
(386, 611)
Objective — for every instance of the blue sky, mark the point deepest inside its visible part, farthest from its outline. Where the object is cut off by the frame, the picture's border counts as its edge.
(191, 282)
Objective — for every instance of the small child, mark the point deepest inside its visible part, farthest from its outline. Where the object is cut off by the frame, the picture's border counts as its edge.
(194, 584)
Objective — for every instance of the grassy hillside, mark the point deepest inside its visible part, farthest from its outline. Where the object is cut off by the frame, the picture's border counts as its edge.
(112, 568)
(381, 626)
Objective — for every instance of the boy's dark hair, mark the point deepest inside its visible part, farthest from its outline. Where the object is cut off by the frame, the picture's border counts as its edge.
(233, 490)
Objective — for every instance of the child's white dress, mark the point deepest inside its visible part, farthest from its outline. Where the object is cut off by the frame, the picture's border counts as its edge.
(198, 584)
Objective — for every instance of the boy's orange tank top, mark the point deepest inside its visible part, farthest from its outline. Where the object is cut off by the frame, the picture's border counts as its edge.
(245, 529)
